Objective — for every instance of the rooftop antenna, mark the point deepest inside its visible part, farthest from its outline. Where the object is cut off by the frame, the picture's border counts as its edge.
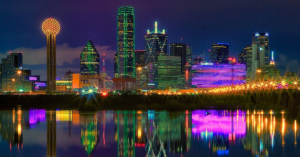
(155, 30)
(181, 40)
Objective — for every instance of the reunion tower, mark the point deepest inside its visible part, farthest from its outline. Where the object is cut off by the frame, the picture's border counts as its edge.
(51, 28)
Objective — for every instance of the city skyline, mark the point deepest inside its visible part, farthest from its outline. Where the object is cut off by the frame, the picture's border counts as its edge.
(199, 35)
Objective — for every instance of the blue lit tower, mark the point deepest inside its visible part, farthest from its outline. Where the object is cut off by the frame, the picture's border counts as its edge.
(155, 44)
(89, 60)
(126, 42)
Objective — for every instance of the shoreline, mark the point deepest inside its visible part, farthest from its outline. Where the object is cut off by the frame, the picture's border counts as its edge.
(272, 100)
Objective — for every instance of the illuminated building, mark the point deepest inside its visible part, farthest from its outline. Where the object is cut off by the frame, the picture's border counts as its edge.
(13, 76)
(51, 133)
(155, 44)
(179, 49)
(51, 28)
(89, 132)
(140, 58)
(260, 52)
(168, 69)
(126, 42)
(124, 84)
(188, 66)
(189, 57)
(63, 85)
(40, 86)
(116, 73)
(219, 53)
(76, 81)
(68, 75)
(206, 75)
(245, 57)
(144, 77)
(89, 60)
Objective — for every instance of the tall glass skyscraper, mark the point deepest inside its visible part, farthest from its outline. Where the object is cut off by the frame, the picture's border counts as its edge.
(219, 53)
(155, 44)
(260, 52)
(126, 42)
(89, 60)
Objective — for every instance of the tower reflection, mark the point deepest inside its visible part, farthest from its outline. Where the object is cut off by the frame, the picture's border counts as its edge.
(89, 132)
(51, 133)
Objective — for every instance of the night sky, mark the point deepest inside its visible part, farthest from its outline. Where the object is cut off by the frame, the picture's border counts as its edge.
(199, 22)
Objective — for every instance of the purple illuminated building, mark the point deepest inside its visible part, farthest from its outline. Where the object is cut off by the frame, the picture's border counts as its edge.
(209, 75)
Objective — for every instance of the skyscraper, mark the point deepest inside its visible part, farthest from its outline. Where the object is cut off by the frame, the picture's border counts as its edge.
(260, 52)
(126, 42)
(219, 53)
(140, 58)
(13, 77)
(89, 60)
(155, 44)
(179, 49)
(168, 70)
(246, 58)
(51, 28)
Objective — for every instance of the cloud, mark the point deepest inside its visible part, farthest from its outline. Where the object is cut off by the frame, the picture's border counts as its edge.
(67, 57)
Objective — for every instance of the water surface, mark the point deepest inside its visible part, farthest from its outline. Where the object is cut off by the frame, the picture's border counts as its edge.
(47, 133)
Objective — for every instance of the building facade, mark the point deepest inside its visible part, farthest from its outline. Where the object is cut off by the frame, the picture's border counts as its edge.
(209, 75)
(89, 60)
(260, 52)
(219, 53)
(155, 44)
(168, 70)
(12, 74)
(140, 58)
(144, 77)
(179, 49)
(126, 42)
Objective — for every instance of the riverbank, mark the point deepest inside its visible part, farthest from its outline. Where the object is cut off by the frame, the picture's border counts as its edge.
(263, 100)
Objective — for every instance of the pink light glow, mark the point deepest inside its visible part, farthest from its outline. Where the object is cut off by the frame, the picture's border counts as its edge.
(230, 124)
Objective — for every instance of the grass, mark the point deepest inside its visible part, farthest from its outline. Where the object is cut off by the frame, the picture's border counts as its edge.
(258, 100)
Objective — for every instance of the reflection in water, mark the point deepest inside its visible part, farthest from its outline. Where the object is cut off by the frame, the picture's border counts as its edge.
(219, 128)
(125, 133)
(151, 133)
(89, 132)
(51, 133)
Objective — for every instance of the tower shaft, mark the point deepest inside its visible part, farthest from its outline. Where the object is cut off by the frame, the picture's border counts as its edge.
(51, 62)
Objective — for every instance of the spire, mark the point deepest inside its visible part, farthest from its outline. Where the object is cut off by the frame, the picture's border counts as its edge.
(155, 30)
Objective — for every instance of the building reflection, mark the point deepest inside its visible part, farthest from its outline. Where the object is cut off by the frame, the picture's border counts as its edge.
(219, 128)
(125, 133)
(12, 124)
(89, 132)
(51, 133)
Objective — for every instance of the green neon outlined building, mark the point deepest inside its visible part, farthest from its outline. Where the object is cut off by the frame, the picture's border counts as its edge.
(126, 42)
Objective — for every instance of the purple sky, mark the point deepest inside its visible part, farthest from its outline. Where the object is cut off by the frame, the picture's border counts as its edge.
(199, 22)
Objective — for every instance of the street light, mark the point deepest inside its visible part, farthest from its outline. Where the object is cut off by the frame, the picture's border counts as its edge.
(19, 72)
